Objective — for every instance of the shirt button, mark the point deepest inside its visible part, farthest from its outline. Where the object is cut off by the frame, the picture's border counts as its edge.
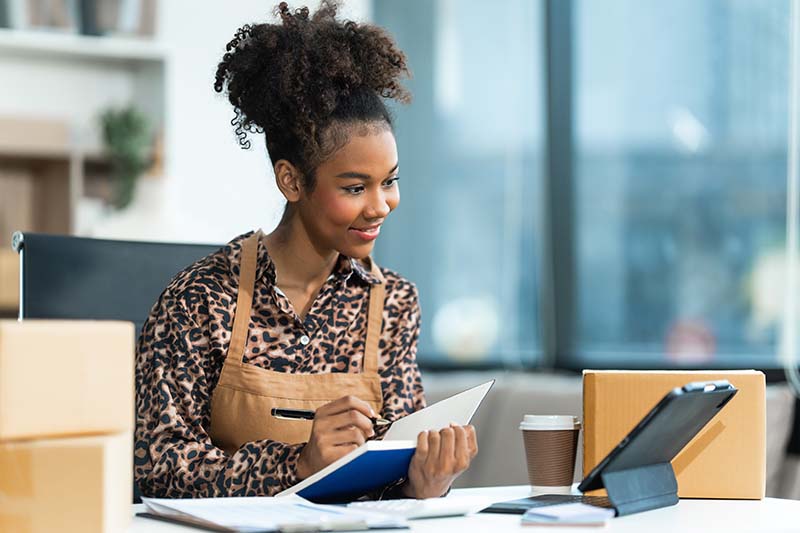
(304, 340)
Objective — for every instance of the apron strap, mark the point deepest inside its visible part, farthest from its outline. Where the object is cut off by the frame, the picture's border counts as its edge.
(377, 294)
(244, 299)
(244, 303)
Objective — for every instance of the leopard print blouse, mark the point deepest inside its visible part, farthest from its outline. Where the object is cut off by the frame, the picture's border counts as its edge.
(183, 345)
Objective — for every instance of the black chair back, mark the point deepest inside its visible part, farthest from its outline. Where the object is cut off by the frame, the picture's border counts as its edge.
(83, 278)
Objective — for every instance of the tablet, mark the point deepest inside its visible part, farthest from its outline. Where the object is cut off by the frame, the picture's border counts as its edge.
(665, 430)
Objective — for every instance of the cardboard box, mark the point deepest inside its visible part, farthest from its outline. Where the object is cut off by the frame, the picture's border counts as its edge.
(9, 281)
(65, 378)
(82, 484)
(727, 459)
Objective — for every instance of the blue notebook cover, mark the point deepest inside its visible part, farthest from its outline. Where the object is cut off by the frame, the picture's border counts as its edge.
(371, 466)
(369, 471)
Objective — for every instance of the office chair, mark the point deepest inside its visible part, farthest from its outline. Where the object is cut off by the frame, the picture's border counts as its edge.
(81, 278)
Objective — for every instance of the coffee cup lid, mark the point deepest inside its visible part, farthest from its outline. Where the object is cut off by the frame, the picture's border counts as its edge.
(550, 422)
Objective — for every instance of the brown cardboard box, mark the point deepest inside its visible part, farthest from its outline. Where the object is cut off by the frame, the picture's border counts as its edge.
(82, 484)
(65, 378)
(726, 459)
(9, 281)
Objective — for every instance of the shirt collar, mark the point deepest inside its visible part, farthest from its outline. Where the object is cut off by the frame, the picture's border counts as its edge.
(348, 265)
(344, 268)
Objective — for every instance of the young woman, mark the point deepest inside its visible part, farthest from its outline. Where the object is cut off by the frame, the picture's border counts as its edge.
(299, 318)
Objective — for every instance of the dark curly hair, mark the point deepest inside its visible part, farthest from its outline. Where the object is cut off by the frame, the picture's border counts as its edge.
(307, 81)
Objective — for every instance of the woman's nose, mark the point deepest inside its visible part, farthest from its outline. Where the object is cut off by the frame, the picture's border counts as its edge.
(378, 207)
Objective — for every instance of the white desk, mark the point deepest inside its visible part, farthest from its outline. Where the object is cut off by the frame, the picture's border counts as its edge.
(706, 516)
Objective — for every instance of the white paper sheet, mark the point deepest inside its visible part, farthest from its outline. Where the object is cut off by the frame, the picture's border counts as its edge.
(264, 513)
(458, 408)
(568, 513)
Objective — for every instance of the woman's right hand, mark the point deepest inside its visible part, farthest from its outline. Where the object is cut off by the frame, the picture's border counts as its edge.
(338, 428)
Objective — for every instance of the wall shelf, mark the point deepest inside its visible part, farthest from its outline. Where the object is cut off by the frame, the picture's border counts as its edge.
(74, 46)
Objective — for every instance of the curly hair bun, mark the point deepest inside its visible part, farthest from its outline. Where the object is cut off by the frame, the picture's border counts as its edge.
(293, 79)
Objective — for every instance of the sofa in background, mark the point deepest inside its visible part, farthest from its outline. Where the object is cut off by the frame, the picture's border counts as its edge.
(501, 460)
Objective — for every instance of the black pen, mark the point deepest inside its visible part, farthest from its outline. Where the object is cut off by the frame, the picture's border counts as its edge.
(308, 414)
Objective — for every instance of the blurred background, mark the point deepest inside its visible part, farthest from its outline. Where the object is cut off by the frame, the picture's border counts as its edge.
(585, 183)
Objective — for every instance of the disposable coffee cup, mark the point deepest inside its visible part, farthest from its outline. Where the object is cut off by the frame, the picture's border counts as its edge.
(551, 444)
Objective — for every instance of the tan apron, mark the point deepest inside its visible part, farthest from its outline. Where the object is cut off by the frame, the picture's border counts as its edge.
(246, 394)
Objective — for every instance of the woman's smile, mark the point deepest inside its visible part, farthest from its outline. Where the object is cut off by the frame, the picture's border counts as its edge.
(367, 233)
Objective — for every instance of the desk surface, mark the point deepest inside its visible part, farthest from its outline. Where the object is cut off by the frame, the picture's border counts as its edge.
(770, 514)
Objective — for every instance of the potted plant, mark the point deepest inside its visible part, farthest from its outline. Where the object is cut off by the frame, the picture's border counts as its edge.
(127, 140)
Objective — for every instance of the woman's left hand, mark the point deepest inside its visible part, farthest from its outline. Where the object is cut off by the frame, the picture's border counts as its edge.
(439, 459)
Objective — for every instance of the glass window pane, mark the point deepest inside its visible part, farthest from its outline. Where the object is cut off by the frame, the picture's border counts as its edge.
(470, 163)
(681, 135)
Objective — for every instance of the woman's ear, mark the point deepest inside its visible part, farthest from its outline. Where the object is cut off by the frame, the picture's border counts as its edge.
(288, 178)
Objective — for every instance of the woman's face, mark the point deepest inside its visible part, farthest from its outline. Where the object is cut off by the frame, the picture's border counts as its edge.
(355, 190)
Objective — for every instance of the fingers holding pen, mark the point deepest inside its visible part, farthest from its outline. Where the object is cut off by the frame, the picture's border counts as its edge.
(338, 427)
(348, 420)
(344, 404)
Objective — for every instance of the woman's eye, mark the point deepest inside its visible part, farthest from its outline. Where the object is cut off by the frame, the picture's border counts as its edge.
(391, 181)
(354, 189)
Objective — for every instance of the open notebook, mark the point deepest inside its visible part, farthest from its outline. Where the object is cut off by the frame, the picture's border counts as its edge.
(378, 463)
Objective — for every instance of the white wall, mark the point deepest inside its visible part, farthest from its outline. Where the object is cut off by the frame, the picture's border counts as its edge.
(214, 190)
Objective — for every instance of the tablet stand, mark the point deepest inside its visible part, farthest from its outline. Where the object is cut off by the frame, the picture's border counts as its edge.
(641, 488)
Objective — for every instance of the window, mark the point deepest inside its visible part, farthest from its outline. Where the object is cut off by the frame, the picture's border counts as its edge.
(470, 145)
(661, 127)
(680, 128)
